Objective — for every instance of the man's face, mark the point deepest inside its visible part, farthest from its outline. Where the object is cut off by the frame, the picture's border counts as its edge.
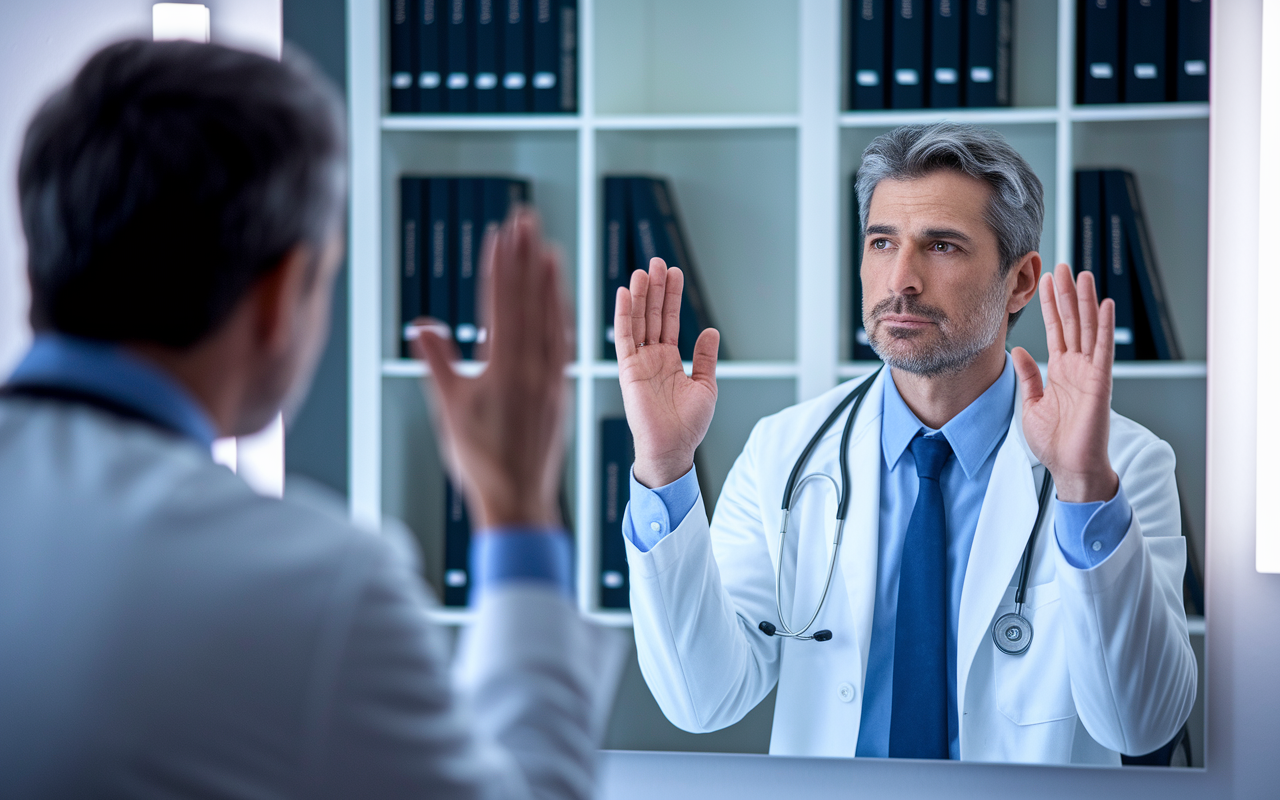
(932, 295)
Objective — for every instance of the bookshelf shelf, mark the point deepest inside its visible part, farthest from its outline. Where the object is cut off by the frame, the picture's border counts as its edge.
(481, 122)
(977, 116)
(1141, 112)
(693, 122)
(451, 616)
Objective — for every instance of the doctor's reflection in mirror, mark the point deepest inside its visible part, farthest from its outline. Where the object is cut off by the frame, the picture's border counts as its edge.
(955, 557)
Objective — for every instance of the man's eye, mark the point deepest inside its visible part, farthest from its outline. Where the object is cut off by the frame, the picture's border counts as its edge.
(880, 244)
(942, 247)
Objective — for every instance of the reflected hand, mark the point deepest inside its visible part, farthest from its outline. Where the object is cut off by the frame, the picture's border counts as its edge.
(502, 431)
(668, 412)
(1067, 420)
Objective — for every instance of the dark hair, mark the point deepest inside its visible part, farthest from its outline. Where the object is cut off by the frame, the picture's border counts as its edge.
(166, 178)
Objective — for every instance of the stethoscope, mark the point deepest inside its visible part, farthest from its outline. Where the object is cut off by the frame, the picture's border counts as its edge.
(1011, 633)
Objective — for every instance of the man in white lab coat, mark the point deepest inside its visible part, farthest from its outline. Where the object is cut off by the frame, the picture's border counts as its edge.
(946, 457)
(165, 632)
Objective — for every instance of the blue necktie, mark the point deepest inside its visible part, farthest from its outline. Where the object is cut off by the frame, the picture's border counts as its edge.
(918, 726)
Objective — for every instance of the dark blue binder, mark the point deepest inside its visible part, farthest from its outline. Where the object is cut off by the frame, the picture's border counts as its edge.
(860, 347)
(908, 66)
(1145, 33)
(616, 457)
(946, 53)
(618, 256)
(555, 49)
(402, 56)
(1159, 339)
(469, 227)
(1089, 235)
(458, 90)
(990, 36)
(869, 56)
(1098, 58)
(441, 199)
(431, 54)
(1119, 283)
(1191, 51)
(516, 52)
(457, 547)
(410, 256)
(488, 26)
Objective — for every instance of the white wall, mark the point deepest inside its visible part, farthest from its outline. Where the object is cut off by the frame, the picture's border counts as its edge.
(41, 45)
(1243, 641)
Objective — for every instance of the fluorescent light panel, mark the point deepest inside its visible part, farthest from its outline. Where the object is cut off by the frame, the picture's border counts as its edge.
(1268, 472)
(180, 21)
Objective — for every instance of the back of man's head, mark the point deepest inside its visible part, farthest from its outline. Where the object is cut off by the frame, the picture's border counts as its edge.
(165, 179)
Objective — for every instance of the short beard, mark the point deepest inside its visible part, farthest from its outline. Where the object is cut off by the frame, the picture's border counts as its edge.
(959, 345)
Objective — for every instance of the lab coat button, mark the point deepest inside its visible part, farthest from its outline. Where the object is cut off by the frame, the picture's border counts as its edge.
(845, 691)
(1097, 546)
(657, 526)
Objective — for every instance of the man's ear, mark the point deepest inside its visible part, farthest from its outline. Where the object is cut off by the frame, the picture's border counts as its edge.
(1025, 279)
(279, 295)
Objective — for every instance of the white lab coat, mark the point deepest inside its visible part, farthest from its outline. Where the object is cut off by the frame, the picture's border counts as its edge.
(1110, 669)
(166, 632)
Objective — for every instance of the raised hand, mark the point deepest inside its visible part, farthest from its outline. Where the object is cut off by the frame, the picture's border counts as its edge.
(668, 412)
(1067, 418)
(502, 431)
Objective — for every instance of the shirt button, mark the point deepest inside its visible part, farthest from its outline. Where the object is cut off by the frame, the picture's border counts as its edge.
(845, 691)
(657, 526)
(1097, 546)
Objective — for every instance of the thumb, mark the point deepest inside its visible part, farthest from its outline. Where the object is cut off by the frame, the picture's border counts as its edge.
(704, 357)
(1024, 366)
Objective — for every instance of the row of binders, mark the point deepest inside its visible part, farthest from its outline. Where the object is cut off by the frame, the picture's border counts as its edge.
(641, 222)
(939, 54)
(1142, 51)
(483, 56)
(443, 221)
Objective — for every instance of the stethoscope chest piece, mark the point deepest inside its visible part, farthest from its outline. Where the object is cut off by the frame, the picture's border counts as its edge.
(1012, 634)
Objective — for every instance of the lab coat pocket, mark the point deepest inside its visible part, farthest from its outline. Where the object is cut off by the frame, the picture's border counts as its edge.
(1035, 687)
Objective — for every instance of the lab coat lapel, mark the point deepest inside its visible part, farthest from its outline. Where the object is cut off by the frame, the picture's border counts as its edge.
(1004, 524)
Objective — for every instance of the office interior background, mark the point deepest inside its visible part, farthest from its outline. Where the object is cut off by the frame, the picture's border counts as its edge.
(781, 146)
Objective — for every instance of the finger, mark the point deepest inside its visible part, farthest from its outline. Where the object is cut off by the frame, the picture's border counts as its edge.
(653, 303)
(502, 288)
(1104, 351)
(1065, 295)
(671, 307)
(439, 354)
(484, 300)
(1049, 308)
(704, 357)
(1024, 366)
(623, 342)
(639, 297)
(555, 320)
(1087, 300)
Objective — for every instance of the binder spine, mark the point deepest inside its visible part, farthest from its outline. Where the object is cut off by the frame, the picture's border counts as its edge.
(861, 345)
(486, 56)
(457, 544)
(615, 491)
(1119, 283)
(439, 277)
(515, 56)
(990, 37)
(431, 47)
(402, 56)
(1191, 69)
(458, 91)
(555, 43)
(568, 56)
(946, 63)
(470, 197)
(1088, 228)
(1098, 57)
(908, 74)
(1164, 338)
(868, 34)
(617, 259)
(1145, 76)
(410, 256)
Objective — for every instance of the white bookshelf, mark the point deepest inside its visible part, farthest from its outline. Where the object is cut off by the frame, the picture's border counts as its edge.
(739, 103)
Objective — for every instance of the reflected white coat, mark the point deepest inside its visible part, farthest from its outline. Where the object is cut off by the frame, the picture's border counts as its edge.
(1110, 669)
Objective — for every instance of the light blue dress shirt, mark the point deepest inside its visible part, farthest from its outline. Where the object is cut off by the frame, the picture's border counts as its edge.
(498, 556)
(1086, 532)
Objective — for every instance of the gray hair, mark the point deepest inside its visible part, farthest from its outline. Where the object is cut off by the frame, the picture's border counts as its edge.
(1016, 210)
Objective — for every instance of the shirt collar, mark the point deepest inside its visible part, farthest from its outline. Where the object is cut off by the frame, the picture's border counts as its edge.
(973, 433)
(109, 371)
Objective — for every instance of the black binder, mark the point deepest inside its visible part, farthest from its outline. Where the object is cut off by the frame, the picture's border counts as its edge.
(402, 56)
(458, 92)
(469, 228)
(616, 456)
(617, 259)
(515, 56)
(1089, 235)
(1191, 69)
(860, 347)
(988, 74)
(1159, 332)
(487, 27)
(946, 54)
(457, 546)
(1098, 59)
(907, 64)
(410, 256)
(441, 196)
(1119, 282)
(1145, 73)
(431, 53)
(555, 56)
(868, 36)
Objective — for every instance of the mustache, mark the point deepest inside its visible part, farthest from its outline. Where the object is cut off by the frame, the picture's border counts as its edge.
(906, 304)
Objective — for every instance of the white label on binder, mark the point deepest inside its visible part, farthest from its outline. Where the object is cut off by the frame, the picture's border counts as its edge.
(429, 80)
(1196, 67)
(1101, 70)
(486, 80)
(1145, 71)
(467, 332)
(867, 77)
(906, 77)
(513, 80)
(946, 75)
(455, 577)
(401, 80)
(609, 334)
(457, 80)
(982, 75)
(1124, 336)
(544, 80)
(861, 336)
(611, 578)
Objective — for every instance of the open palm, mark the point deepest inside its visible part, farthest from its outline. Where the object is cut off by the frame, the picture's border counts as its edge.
(668, 412)
(1066, 418)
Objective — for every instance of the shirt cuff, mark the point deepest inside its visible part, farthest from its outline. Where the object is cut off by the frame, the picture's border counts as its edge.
(1089, 532)
(653, 513)
(501, 556)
